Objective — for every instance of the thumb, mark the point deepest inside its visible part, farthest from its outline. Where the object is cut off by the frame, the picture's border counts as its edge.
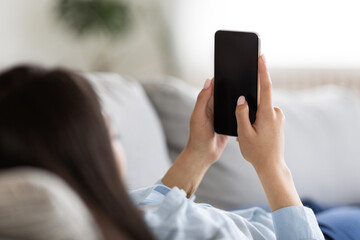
(242, 117)
(203, 98)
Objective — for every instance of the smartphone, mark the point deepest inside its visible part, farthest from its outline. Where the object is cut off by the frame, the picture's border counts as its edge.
(235, 75)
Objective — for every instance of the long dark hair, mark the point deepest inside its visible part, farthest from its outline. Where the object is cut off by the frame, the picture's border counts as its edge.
(52, 119)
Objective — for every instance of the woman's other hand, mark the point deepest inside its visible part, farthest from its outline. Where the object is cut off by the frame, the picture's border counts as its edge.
(203, 140)
(262, 144)
(204, 146)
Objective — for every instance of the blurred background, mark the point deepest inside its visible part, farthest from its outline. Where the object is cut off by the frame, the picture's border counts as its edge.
(142, 38)
(307, 43)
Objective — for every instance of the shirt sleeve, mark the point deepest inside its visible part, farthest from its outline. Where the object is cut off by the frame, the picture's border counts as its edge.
(170, 215)
(296, 222)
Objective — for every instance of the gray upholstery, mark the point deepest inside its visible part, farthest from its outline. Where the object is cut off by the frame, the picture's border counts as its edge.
(38, 205)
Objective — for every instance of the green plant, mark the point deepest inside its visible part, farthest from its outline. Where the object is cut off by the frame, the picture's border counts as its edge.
(85, 17)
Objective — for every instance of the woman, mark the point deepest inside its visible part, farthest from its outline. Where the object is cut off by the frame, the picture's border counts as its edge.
(52, 119)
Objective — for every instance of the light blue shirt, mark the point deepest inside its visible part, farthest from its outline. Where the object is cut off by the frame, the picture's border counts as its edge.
(170, 215)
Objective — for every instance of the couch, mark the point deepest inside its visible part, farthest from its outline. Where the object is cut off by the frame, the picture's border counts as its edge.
(322, 135)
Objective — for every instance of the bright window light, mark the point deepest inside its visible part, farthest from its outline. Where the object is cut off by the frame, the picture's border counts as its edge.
(294, 34)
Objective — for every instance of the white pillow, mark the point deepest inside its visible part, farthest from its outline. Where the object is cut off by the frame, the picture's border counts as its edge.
(138, 126)
(322, 133)
(38, 205)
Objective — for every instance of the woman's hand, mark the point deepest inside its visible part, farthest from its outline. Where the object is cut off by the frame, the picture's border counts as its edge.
(204, 146)
(203, 140)
(262, 144)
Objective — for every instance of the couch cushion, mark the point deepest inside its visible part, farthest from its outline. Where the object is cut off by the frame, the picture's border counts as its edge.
(322, 133)
(35, 204)
(137, 125)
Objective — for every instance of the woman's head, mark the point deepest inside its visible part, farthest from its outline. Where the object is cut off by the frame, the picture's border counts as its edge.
(52, 119)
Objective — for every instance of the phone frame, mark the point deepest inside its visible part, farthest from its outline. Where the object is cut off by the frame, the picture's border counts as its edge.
(220, 131)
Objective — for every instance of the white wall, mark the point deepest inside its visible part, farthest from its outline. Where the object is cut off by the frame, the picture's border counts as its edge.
(30, 32)
(294, 34)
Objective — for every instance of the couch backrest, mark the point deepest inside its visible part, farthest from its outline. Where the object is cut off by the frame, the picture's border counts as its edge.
(137, 125)
(322, 134)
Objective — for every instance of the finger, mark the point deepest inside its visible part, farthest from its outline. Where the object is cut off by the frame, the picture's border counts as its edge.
(242, 117)
(203, 97)
(265, 84)
(210, 108)
(210, 104)
(212, 86)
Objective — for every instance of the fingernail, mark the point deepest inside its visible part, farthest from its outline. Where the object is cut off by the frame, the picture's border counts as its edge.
(241, 100)
(207, 84)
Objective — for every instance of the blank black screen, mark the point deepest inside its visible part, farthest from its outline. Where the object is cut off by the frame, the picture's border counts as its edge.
(236, 74)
